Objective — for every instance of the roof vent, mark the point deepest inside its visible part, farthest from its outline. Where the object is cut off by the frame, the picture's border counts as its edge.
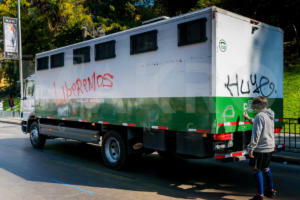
(155, 20)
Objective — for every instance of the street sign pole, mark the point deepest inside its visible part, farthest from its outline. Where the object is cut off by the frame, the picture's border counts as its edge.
(20, 55)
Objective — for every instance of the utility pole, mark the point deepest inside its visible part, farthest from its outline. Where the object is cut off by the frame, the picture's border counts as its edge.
(20, 54)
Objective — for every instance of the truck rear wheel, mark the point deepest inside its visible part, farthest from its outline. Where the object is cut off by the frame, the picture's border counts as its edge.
(113, 150)
(37, 140)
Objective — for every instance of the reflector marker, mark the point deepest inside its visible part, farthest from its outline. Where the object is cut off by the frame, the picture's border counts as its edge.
(233, 123)
(246, 122)
(231, 155)
(130, 125)
(83, 120)
(65, 119)
(242, 153)
(280, 146)
(228, 123)
(242, 123)
(220, 156)
(159, 127)
(277, 129)
(102, 122)
(198, 130)
(50, 117)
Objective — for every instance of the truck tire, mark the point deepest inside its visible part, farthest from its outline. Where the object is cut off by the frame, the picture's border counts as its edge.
(113, 150)
(37, 140)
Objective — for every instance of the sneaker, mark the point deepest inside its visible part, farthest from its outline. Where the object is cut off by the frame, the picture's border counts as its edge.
(271, 193)
(258, 197)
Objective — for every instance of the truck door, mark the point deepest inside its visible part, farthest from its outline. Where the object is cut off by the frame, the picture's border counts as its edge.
(28, 102)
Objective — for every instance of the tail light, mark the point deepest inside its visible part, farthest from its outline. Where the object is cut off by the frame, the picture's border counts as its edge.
(223, 136)
(277, 129)
(252, 21)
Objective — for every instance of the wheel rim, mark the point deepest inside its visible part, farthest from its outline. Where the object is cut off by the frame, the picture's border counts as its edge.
(112, 150)
(34, 134)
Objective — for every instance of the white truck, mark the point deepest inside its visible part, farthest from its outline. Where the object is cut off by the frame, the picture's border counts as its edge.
(178, 86)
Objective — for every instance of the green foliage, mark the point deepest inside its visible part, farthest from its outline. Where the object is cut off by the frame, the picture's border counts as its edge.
(49, 24)
(6, 106)
(10, 72)
(205, 3)
(291, 98)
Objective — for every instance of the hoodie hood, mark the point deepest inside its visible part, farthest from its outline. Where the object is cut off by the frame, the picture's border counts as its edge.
(269, 112)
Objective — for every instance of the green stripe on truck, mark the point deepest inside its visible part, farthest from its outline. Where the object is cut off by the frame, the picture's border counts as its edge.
(176, 113)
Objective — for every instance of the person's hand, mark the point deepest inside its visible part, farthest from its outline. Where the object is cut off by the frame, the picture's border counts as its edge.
(251, 155)
(245, 115)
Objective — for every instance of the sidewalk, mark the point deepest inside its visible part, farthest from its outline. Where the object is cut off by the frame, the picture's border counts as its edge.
(11, 120)
(280, 156)
(288, 157)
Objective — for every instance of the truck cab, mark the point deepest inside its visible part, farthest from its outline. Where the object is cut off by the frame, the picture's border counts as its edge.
(28, 102)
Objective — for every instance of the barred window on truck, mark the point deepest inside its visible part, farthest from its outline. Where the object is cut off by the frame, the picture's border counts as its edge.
(192, 32)
(81, 55)
(143, 42)
(57, 60)
(105, 50)
(43, 63)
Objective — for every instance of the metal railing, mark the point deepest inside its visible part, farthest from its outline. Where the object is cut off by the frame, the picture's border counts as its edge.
(290, 134)
(10, 114)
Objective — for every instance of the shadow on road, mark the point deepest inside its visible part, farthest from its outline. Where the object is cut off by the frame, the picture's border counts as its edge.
(81, 164)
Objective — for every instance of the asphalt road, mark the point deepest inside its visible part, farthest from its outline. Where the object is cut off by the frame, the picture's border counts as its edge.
(72, 170)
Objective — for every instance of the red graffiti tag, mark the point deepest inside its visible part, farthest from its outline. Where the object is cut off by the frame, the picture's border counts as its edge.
(82, 86)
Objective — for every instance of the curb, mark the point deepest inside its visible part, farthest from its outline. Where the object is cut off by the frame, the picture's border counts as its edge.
(289, 159)
(10, 122)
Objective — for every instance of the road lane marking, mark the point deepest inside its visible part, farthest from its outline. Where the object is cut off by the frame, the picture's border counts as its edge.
(71, 186)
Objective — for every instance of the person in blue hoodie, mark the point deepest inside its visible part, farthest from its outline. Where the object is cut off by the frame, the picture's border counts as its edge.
(261, 146)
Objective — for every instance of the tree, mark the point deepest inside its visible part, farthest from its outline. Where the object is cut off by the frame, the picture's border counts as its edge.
(48, 24)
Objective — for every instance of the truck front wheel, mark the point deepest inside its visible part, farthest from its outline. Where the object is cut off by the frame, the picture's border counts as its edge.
(37, 140)
(113, 150)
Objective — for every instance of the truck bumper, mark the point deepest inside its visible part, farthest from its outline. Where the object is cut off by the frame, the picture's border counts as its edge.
(194, 144)
(24, 127)
(237, 154)
(231, 155)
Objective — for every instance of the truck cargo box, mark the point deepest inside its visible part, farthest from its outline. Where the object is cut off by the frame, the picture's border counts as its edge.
(193, 73)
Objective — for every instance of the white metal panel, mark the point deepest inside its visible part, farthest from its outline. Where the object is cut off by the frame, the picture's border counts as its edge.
(132, 30)
(248, 63)
(171, 71)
